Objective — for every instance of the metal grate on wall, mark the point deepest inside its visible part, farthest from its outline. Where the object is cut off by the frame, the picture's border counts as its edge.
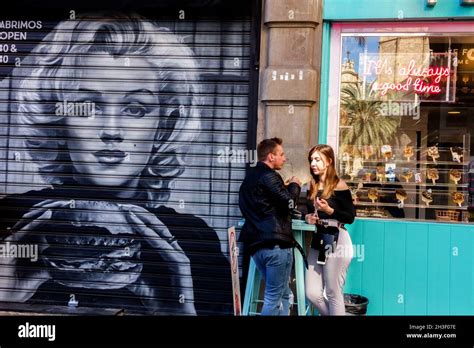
(122, 148)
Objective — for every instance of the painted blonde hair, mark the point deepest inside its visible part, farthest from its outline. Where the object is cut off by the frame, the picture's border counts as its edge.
(53, 76)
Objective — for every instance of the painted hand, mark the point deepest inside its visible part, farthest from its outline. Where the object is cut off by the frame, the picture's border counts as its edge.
(16, 288)
(158, 236)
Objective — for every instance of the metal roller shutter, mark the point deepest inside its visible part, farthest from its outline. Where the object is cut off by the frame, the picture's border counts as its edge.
(122, 145)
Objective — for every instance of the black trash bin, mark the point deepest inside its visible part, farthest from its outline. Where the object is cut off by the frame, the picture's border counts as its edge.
(355, 304)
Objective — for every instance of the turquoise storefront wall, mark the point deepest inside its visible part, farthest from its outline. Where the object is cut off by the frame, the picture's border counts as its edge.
(413, 268)
(342, 10)
(408, 268)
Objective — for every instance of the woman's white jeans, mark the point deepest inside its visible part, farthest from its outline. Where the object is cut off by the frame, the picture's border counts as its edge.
(329, 278)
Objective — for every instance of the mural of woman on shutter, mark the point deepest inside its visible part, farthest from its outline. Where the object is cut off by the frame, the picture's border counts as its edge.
(107, 108)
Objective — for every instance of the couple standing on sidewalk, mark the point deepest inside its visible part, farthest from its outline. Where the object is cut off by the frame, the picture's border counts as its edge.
(266, 204)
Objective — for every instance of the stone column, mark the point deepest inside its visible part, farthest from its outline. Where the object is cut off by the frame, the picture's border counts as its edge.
(289, 82)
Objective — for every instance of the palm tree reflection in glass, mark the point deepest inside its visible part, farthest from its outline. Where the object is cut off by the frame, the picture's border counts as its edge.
(363, 120)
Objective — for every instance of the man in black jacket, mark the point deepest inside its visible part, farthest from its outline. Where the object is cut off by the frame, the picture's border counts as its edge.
(266, 203)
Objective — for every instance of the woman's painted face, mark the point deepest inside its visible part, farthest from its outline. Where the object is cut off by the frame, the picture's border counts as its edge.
(319, 163)
(112, 143)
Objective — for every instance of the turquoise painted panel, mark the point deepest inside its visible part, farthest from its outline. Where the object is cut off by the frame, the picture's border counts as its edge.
(461, 271)
(394, 269)
(336, 10)
(354, 275)
(324, 91)
(416, 277)
(418, 261)
(438, 269)
(372, 268)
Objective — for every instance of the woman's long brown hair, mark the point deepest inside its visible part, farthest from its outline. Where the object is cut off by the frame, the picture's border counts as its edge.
(331, 176)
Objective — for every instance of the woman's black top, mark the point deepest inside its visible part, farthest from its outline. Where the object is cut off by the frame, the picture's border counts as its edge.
(344, 211)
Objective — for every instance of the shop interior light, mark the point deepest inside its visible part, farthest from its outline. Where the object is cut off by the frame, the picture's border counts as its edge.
(431, 2)
(454, 112)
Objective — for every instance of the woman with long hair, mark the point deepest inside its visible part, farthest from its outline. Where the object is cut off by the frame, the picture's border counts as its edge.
(105, 234)
(331, 247)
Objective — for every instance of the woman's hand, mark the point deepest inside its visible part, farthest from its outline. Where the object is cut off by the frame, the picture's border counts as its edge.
(159, 237)
(311, 219)
(14, 288)
(322, 204)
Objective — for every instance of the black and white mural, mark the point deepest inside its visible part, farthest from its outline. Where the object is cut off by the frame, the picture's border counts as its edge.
(115, 181)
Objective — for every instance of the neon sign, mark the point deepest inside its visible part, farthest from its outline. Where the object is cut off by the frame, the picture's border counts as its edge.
(431, 77)
(416, 77)
(418, 86)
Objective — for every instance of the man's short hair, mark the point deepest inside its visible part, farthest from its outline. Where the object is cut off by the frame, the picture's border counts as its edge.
(267, 146)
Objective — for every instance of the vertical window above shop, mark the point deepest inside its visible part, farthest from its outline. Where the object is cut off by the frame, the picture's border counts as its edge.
(405, 124)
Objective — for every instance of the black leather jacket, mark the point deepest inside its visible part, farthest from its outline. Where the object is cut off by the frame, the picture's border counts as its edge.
(265, 204)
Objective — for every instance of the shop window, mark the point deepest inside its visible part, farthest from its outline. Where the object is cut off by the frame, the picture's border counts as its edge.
(406, 120)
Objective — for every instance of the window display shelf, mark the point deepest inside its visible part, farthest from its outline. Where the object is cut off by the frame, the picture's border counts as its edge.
(399, 161)
(421, 206)
(417, 188)
(413, 184)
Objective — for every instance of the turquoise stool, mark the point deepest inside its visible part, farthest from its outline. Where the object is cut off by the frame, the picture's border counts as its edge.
(254, 278)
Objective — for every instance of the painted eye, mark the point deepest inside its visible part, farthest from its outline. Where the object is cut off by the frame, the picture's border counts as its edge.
(135, 111)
